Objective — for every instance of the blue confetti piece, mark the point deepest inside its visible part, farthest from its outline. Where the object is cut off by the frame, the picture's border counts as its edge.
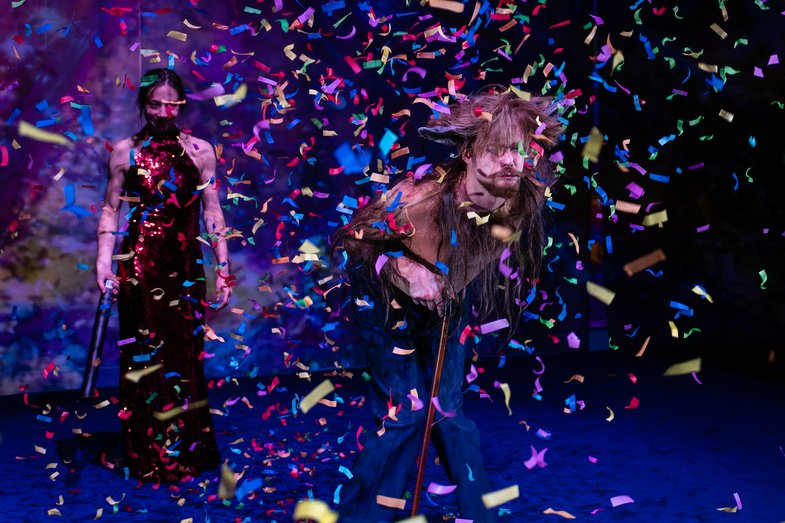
(337, 495)
(387, 141)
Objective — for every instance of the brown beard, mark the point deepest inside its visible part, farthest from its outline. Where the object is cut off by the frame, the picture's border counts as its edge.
(499, 190)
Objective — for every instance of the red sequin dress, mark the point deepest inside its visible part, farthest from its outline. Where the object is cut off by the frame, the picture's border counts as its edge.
(167, 427)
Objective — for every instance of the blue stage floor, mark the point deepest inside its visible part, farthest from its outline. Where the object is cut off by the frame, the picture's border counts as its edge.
(709, 447)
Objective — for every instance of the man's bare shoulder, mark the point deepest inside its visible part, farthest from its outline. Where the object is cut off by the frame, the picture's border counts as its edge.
(410, 193)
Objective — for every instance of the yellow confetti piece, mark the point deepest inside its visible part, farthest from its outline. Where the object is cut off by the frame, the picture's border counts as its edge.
(177, 35)
(101, 405)
(402, 352)
(415, 519)
(725, 115)
(189, 25)
(313, 397)
(700, 292)
(112, 501)
(562, 513)
(674, 329)
(228, 483)
(40, 450)
(601, 293)
(500, 497)
(53, 512)
(136, 375)
(228, 100)
(31, 131)
(655, 218)
(386, 501)
(176, 411)
(611, 415)
(313, 509)
(59, 174)
(98, 514)
(728, 509)
(123, 257)
(593, 146)
(685, 367)
(506, 390)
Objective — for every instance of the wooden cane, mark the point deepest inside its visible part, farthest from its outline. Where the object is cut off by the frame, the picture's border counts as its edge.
(437, 375)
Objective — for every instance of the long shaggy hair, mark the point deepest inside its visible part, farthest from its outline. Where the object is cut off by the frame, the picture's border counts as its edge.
(473, 125)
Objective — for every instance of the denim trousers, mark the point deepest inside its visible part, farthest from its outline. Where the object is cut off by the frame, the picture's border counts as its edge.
(388, 459)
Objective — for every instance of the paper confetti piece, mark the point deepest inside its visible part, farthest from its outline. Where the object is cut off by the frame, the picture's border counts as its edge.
(416, 519)
(386, 501)
(621, 500)
(176, 411)
(228, 483)
(601, 293)
(685, 367)
(655, 218)
(402, 352)
(505, 388)
(314, 510)
(763, 277)
(500, 497)
(440, 490)
(644, 262)
(447, 5)
(31, 131)
(493, 326)
(610, 416)
(136, 375)
(562, 513)
(313, 397)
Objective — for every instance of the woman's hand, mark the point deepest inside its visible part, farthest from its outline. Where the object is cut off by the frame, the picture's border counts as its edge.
(425, 287)
(103, 272)
(223, 288)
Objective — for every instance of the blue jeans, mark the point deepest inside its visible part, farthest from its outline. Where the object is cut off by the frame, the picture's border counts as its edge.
(387, 462)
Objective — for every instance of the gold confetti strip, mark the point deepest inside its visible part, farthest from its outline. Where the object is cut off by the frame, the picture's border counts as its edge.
(500, 497)
(111, 500)
(31, 131)
(101, 405)
(611, 416)
(601, 293)
(655, 218)
(136, 375)
(177, 35)
(402, 352)
(171, 413)
(313, 397)
(228, 483)
(685, 367)
(719, 30)
(725, 115)
(98, 513)
(314, 510)
(415, 519)
(53, 512)
(593, 146)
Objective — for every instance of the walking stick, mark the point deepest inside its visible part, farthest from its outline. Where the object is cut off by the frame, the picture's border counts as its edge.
(97, 340)
(437, 375)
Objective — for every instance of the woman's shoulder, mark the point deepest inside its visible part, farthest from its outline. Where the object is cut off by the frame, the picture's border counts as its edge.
(194, 145)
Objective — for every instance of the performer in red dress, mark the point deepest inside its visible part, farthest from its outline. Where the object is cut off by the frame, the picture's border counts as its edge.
(165, 176)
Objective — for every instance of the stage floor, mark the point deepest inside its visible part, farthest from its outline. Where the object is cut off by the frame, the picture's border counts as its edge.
(688, 448)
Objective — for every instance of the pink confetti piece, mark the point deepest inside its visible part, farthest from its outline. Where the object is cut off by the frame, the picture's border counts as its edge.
(738, 500)
(440, 490)
(417, 403)
(472, 375)
(592, 459)
(621, 500)
(634, 403)
(703, 228)
(695, 377)
(493, 326)
(542, 433)
(774, 60)
(573, 341)
(757, 71)
(380, 261)
(446, 414)
(537, 459)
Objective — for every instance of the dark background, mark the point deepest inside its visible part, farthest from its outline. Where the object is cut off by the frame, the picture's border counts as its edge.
(727, 175)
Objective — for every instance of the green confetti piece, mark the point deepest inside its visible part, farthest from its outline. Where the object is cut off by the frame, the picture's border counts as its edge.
(764, 277)
(694, 329)
(574, 281)
(611, 345)
(747, 174)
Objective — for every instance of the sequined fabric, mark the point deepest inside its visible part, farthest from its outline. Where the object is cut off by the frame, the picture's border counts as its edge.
(166, 422)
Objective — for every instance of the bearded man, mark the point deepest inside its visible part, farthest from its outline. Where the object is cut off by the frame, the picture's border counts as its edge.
(471, 233)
